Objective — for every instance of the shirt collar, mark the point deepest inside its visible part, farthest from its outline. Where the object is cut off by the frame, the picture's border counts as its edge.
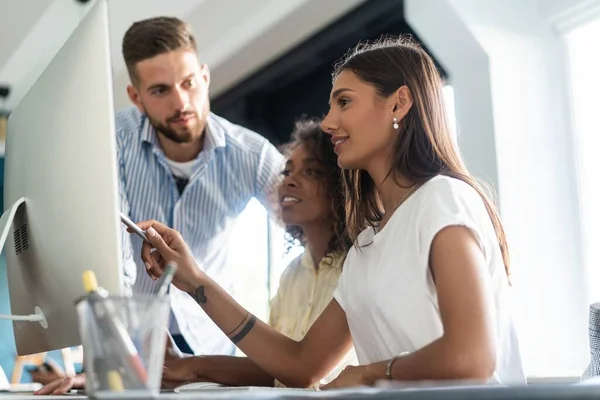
(331, 260)
(215, 133)
(148, 132)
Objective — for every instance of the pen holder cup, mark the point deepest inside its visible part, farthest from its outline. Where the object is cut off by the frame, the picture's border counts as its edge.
(123, 341)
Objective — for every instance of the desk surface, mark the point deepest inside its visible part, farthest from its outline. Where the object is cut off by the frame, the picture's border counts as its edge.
(550, 391)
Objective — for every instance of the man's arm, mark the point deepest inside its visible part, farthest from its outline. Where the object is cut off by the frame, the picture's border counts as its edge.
(129, 266)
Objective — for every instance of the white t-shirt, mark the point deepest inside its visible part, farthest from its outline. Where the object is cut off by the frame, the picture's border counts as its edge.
(181, 169)
(386, 288)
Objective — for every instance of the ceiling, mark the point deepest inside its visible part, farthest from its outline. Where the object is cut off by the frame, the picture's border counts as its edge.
(234, 37)
(16, 20)
(299, 82)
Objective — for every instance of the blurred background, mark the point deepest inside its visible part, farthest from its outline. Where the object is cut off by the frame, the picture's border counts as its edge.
(522, 89)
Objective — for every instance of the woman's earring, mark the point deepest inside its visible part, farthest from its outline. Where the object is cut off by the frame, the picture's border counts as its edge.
(396, 126)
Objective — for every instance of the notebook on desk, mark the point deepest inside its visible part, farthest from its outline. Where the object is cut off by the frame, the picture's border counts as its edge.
(194, 386)
(213, 387)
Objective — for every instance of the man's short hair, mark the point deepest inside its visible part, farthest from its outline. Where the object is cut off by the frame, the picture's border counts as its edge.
(153, 36)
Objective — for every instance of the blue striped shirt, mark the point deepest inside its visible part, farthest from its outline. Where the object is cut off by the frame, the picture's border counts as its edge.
(234, 165)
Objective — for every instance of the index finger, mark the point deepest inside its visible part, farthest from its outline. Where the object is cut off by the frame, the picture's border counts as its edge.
(65, 387)
(169, 375)
(152, 223)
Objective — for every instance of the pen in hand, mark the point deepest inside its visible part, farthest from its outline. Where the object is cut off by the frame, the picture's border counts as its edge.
(134, 228)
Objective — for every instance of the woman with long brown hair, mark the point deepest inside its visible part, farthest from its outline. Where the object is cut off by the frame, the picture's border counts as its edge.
(424, 293)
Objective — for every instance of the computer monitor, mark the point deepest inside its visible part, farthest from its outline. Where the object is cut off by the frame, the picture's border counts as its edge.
(61, 189)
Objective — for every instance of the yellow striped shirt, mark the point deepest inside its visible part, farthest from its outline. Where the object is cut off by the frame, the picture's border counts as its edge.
(304, 292)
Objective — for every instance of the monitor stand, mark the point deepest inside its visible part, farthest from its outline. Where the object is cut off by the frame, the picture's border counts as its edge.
(6, 221)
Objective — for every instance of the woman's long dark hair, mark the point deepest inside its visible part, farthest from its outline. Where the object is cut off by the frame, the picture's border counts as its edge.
(307, 132)
(424, 147)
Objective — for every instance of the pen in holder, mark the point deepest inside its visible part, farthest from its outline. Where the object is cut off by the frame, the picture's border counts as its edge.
(123, 340)
(160, 290)
(162, 286)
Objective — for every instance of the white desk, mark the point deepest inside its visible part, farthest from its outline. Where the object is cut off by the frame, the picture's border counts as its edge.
(551, 391)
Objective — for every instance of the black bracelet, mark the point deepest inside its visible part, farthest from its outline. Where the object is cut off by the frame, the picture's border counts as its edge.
(237, 338)
(238, 327)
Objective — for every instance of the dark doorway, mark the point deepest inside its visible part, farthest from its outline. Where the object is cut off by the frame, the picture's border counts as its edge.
(299, 82)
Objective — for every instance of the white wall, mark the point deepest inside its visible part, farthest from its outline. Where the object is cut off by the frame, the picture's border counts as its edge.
(234, 37)
(507, 67)
(39, 46)
(468, 66)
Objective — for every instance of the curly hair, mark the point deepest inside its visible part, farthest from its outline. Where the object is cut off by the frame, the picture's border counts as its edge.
(307, 132)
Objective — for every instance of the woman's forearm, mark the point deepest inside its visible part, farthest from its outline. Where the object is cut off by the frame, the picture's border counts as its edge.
(232, 371)
(440, 360)
(282, 358)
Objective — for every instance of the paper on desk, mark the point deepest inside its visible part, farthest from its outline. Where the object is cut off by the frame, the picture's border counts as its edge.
(267, 392)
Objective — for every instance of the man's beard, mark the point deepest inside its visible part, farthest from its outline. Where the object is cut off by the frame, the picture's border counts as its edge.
(184, 135)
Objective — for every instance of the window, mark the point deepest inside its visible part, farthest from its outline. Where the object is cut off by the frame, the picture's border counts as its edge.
(448, 93)
(584, 58)
(249, 259)
(258, 257)
(281, 255)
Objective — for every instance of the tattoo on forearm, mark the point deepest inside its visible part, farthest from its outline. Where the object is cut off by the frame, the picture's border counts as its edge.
(244, 330)
(199, 295)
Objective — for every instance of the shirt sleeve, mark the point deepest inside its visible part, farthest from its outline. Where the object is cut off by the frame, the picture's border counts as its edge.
(268, 179)
(276, 305)
(274, 311)
(340, 291)
(129, 265)
(450, 203)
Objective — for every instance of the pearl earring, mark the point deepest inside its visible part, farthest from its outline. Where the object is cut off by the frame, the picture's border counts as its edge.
(396, 126)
